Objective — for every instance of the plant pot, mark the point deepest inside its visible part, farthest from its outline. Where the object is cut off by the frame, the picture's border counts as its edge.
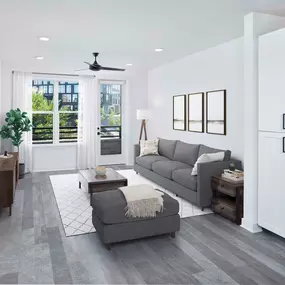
(21, 170)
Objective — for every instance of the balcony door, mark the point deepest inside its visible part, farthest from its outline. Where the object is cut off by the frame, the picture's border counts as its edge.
(109, 131)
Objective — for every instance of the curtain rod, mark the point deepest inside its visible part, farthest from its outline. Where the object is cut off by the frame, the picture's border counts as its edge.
(58, 74)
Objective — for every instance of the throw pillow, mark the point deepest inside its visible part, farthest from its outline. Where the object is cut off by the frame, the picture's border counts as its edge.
(149, 147)
(208, 157)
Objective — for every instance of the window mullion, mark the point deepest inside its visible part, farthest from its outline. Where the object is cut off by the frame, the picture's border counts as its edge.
(56, 115)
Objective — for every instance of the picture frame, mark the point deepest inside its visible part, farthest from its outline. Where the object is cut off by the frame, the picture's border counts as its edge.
(216, 112)
(196, 116)
(179, 113)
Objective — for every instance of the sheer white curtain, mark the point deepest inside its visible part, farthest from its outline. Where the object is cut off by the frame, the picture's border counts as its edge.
(87, 112)
(22, 99)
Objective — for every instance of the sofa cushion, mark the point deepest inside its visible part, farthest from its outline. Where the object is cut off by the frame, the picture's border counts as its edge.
(186, 153)
(109, 207)
(205, 149)
(165, 168)
(148, 147)
(184, 178)
(166, 148)
(148, 160)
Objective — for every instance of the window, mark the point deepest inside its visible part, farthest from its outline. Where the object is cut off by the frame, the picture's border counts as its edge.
(111, 128)
(68, 88)
(61, 88)
(55, 113)
(75, 98)
(66, 98)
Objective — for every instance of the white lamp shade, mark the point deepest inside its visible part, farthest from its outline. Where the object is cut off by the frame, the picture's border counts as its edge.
(142, 114)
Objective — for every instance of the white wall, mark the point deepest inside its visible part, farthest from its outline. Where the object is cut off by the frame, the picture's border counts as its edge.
(52, 158)
(48, 158)
(220, 67)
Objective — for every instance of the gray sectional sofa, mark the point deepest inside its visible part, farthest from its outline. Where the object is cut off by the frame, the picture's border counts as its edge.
(173, 166)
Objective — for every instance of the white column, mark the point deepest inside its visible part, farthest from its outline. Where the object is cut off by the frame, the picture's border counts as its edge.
(250, 123)
(255, 24)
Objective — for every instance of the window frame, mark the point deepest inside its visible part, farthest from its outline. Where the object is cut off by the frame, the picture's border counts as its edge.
(56, 113)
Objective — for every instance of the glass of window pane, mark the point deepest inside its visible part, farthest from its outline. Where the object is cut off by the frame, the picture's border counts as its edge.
(68, 127)
(111, 119)
(43, 92)
(68, 87)
(66, 101)
(110, 104)
(42, 128)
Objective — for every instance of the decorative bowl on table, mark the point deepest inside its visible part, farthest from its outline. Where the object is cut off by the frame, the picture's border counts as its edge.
(100, 170)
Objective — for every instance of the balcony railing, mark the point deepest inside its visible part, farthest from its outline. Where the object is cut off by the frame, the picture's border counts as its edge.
(111, 132)
(43, 135)
(110, 137)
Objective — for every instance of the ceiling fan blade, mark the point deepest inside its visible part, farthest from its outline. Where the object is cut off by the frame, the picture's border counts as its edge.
(112, 69)
(81, 69)
(88, 63)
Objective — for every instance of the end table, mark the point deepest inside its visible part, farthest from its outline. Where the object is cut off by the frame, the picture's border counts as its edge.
(227, 198)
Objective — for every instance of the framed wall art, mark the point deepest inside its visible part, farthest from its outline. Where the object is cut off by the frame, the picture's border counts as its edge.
(196, 112)
(179, 112)
(216, 112)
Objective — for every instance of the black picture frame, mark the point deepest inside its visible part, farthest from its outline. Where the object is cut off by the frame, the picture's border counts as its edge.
(181, 117)
(191, 95)
(220, 122)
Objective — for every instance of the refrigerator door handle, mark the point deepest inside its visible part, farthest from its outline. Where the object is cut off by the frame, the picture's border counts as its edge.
(283, 121)
(283, 147)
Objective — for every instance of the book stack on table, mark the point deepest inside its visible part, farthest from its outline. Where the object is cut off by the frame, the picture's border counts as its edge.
(233, 175)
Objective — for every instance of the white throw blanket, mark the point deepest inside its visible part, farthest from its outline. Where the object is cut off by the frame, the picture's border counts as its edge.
(142, 201)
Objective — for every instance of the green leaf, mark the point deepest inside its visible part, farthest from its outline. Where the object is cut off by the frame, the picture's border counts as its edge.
(11, 120)
(18, 115)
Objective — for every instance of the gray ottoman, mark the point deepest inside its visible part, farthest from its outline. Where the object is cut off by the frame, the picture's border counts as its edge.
(113, 226)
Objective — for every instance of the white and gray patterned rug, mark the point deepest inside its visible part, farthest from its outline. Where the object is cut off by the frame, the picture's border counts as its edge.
(74, 203)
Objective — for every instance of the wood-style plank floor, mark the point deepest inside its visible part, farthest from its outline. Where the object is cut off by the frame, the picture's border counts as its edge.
(207, 250)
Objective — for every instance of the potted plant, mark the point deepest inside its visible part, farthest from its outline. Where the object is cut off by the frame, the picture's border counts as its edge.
(17, 122)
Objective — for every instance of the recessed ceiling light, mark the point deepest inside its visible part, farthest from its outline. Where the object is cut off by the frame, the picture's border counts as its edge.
(44, 39)
(39, 57)
(129, 64)
(159, 49)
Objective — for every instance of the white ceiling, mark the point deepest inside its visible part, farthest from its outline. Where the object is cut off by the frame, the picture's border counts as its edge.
(123, 31)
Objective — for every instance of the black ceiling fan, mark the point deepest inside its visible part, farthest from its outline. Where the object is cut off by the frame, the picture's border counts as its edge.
(95, 66)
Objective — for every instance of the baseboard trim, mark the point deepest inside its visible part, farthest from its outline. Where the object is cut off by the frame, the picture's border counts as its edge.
(251, 227)
(51, 170)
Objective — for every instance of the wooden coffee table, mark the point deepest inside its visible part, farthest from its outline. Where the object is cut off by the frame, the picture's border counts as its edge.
(112, 181)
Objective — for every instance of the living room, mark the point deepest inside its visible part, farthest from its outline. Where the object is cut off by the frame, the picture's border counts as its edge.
(113, 108)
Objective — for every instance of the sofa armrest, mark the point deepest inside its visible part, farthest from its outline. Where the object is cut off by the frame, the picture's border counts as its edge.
(204, 177)
(137, 152)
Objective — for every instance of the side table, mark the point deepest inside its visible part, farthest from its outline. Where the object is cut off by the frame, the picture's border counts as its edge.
(9, 174)
(227, 198)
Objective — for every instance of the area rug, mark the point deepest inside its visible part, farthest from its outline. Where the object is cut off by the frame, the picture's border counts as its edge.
(74, 203)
